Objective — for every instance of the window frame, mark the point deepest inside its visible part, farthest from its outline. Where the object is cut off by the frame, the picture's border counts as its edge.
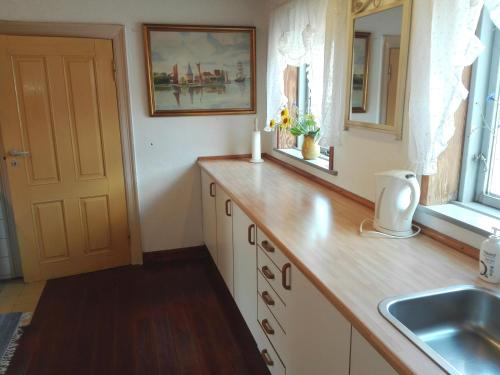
(478, 139)
(488, 135)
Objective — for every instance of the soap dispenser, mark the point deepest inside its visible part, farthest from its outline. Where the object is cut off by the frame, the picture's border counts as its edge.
(489, 258)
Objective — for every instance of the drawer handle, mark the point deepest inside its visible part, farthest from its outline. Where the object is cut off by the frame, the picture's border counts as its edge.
(267, 327)
(251, 238)
(286, 276)
(212, 189)
(267, 246)
(266, 357)
(268, 300)
(267, 273)
(228, 207)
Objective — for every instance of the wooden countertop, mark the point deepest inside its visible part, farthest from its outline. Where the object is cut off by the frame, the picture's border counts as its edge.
(318, 230)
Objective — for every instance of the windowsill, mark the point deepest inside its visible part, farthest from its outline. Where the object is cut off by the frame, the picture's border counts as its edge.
(470, 216)
(320, 163)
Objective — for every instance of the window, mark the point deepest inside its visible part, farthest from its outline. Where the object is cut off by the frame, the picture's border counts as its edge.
(488, 183)
(299, 95)
(480, 178)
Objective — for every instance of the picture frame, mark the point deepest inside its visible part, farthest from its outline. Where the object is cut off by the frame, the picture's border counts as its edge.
(360, 61)
(200, 70)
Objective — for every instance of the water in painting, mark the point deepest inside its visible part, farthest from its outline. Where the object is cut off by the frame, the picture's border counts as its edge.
(201, 70)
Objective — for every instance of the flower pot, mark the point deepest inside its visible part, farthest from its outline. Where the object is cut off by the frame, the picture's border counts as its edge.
(310, 149)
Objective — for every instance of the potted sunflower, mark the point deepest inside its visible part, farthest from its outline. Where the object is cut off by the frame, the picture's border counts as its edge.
(297, 125)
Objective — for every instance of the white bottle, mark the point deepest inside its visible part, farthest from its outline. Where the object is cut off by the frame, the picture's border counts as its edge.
(489, 258)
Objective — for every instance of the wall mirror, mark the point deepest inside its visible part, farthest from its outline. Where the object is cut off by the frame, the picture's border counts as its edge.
(377, 64)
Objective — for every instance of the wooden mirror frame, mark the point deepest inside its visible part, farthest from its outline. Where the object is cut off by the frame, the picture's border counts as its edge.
(362, 8)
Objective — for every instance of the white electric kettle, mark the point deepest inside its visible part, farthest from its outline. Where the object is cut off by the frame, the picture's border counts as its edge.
(398, 194)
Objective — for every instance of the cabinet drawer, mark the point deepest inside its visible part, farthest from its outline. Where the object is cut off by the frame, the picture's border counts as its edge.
(268, 354)
(271, 299)
(272, 329)
(271, 250)
(276, 278)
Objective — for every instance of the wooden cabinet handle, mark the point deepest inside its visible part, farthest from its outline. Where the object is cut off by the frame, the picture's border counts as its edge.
(268, 300)
(266, 357)
(267, 327)
(251, 239)
(212, 189)
(228, 207)
(286, 277)
(267, 273)
(267, 246)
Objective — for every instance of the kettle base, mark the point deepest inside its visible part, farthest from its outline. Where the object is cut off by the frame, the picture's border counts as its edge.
(405, 233)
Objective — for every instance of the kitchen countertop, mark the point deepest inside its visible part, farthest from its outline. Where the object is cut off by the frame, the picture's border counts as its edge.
(318, 229)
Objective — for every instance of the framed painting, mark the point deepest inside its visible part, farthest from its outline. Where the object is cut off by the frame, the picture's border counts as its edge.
(360, 61)
(200, 70)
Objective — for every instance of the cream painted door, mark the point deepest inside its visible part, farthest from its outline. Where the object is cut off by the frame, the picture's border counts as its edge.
(225, 237)
(61, 139)
(365, 360)
(208, 191)
(245, 267)
(317, 335)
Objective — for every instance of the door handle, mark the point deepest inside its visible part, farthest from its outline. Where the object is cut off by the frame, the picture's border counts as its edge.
(268, 300)
(266, 357)
(267, 327)
(228, 207)
(251, 239)
(267, 273)
(286, 281)
(267, 246)
(212, 192)
(17, 153)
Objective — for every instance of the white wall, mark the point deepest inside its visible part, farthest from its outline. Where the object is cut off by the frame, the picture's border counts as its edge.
(165, 148)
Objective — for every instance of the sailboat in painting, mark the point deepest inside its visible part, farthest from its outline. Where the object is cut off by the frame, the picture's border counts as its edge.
(240, 75)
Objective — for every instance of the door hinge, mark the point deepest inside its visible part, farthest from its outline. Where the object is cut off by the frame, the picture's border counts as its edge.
(113, 66)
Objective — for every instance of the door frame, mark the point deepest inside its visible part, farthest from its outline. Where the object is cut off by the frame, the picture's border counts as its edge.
(115, 33)
(390, 41)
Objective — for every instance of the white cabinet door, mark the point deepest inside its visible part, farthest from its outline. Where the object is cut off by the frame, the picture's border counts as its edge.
(365, 360)
(224, 237)
(245, 267)
(208, 191)
(318, 336)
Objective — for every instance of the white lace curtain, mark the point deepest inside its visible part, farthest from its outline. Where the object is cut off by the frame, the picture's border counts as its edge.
(306, 32)
(336, 47)
(443, 43)
(296, 37)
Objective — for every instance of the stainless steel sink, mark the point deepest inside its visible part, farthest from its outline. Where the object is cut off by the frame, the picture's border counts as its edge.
(458, 327)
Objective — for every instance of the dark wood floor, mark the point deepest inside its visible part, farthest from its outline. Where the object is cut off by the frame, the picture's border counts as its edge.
(173, 317)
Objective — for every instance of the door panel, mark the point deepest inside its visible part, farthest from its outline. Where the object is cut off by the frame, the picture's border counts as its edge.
(95, 218)
(50, 226)
(85, 119)
(68, 193)
(36, 121)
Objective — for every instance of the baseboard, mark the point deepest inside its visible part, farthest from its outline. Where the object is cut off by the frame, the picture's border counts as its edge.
(186, 253)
